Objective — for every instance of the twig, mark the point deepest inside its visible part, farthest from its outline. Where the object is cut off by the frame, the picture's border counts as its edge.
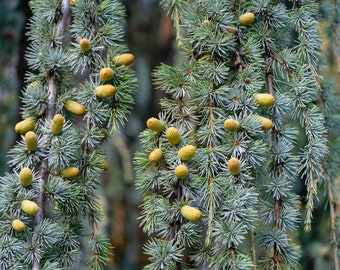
(211, 180)
(253, 250)
(238, 62)
(282, 63)
(177, 26)
(233, 255)
(269, 75)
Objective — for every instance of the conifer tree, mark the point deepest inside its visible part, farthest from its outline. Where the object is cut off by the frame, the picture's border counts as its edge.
(219, 164)
(79, 91)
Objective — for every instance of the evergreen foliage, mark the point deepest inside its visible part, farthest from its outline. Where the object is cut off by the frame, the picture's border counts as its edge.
(66, 156)
(250, 211)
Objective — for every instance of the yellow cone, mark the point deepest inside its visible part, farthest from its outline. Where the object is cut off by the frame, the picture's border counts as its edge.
(57, 124)
(246, 19)
(69, 172)
(265, 100)
(234, 166)
(124, 59)
(266, 123)
(25, 177)
(85, 45)
(186, 152)
(181, 171)
(173, 136)
(106, 74)
(18, 225)
(25, 125)
(156, 155)
(74, 107)
(232, 125)
(105, 91)
(155, 124)
(191, 213)
(31, 140)
(29, 207)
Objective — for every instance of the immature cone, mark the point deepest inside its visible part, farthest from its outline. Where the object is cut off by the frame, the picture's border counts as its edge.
(266, 123)
(18, 225)
(247, 80)
(32, 85)
(155, 124)
(31, 140)
(124, 59)
(265, 100)
(106, 74)
(246, 19)
(156, 155)
(186, 152)
(105, 133)
(191, 213)
(105, 165)
(25, 125)
(25, 177)
(73, 3)
(74, 107)
(181, 171)
(57, 124)
(69, 172)
(105, 91)
(234, 166)
(29, 207)
(85, 45)
(173, 136)
(232, 125)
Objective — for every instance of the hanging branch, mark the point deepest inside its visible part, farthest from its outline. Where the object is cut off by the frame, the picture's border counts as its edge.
(50, 111)
(277, 201)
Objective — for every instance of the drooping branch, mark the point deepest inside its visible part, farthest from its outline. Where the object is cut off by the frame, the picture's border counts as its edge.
(277, 201)
(50, 111)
